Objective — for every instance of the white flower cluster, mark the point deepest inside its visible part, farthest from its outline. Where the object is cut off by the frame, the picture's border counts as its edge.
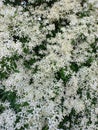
(48, 65)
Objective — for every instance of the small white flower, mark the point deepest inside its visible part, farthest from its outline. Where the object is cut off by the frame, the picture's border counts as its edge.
(39, 18)
(96, 110)
(23, 3)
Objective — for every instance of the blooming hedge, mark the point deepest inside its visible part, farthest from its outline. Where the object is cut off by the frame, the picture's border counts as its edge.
(49, 65)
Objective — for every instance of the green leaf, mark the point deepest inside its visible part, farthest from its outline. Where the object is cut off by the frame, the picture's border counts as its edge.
(79, 92)
(2, 108)
(74, 66)
(24, 104)
(88, 62)
(29, 63)
(94, 101)
(45, 127)
(61, 75)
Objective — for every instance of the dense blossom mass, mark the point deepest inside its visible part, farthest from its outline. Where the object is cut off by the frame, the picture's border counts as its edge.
(48, 65)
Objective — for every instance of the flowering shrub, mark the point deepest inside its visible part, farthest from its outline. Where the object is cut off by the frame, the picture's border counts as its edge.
(49, 65)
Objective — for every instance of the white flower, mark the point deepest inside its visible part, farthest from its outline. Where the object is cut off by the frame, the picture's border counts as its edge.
(96, 110)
